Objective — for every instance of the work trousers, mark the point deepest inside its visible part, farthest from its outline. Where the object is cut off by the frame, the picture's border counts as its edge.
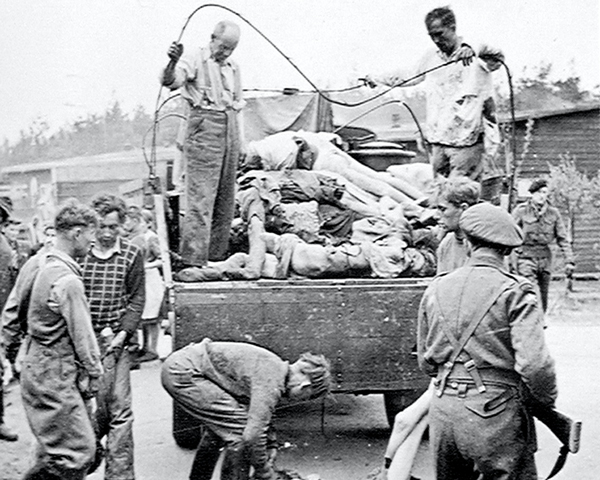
(470, 442)
(114, 417)
(56, 413)
(538, 271)
(211, 150)
(458, 161)
(220, 413)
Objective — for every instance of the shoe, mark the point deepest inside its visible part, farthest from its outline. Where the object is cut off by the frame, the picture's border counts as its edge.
(7, 434)
(148, 357)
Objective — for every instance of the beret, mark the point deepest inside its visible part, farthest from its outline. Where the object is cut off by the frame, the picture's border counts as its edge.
(491, 224)
(537, 184)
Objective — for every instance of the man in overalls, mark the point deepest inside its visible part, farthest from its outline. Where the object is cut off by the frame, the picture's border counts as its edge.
(480, 335)
(210, 83)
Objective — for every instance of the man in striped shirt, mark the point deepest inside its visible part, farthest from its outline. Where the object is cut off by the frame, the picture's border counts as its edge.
(113, 275)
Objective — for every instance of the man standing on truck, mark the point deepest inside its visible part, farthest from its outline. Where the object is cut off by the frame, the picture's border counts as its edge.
(210, 82)
(542, 224)
(113, 275)
(233, 389)
(460, 104)
(480, 335)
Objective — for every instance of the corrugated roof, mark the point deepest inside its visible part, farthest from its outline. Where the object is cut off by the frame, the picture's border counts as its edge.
(540, 113)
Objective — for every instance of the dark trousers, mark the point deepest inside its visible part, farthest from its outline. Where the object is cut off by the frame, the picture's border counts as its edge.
(472, 442)
(538, 271)
(211, 151)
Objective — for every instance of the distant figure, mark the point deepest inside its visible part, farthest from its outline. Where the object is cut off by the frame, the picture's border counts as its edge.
(210, 82)
(61, 367)
(233, 389)
(542, 225)
(8, 273)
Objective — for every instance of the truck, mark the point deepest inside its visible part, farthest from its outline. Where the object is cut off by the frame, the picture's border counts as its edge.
(365, 327)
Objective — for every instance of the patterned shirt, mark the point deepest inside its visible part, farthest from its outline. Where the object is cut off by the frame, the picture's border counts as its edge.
(115, 287)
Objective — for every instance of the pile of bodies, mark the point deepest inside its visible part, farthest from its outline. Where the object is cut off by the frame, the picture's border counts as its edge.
(307, 208)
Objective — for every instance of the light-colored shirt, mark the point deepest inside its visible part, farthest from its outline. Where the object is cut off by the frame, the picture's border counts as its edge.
(451, 253)
(455, 95)
(208, 84)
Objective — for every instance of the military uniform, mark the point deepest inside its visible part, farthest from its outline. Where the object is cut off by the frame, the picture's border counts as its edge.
(541, 226)
(480, 334)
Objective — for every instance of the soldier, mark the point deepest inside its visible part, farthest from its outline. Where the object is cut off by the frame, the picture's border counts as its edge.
(480, 334)
(62, 364)
(541, 224)
(233, 389)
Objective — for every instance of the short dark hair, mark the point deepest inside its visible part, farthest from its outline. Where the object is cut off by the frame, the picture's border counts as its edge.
(444, 14)
(459, 190)
(106, 203)
(74, 214)
(318, 370)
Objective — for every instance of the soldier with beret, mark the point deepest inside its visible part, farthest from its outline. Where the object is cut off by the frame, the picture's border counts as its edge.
(541, 224)
(481, 337)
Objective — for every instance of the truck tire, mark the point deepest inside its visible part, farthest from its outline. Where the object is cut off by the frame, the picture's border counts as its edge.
(187, 430)
(398, 400)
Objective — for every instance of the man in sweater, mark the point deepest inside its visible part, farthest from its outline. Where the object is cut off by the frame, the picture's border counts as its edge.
(113, 275)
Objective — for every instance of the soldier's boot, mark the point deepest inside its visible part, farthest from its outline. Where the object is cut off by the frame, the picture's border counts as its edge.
(207, 456)
(5, 432)
(236, 465)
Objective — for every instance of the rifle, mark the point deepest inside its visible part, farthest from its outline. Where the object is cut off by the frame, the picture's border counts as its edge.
(567, 430)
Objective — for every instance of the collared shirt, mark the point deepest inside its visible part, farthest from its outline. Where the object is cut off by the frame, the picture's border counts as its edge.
(455, 96)
(208, 84)
(58, 309)
(510, 336)
(114, 285)
(541, 226)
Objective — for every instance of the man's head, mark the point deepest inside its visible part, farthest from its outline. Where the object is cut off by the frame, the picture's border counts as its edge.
(486, 225)
(224, 40)
(307, 154)
(455, 196)
(75, 226)
(441, 27)
(134, 221)
(111, 212)
(309, 377)
(12, 228)
(539, 191)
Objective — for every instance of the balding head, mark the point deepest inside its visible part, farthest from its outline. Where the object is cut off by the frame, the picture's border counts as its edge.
(224, 40)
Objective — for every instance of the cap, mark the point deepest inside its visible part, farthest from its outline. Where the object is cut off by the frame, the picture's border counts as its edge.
(491, 224)
(537, 184)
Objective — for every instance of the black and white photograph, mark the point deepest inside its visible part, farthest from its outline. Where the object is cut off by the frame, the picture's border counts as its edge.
(299, 240)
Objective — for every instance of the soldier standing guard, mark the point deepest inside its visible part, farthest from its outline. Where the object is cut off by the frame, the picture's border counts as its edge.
(541, 224)
(480, 334)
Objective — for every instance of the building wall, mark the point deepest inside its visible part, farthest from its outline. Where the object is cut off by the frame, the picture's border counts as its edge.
(578, 135)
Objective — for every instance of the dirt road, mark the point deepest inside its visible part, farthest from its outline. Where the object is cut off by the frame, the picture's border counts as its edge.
(347, 443)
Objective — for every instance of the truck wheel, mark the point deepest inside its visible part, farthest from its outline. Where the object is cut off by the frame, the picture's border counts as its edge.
(397, 401)
(186, 429)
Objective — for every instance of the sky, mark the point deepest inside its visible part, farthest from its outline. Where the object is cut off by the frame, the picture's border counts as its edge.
(65, 59)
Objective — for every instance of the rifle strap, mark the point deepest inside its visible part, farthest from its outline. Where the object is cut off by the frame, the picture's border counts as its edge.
(458, 345)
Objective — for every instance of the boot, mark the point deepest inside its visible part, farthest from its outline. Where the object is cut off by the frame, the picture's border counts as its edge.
(236, 465)
(207, 456)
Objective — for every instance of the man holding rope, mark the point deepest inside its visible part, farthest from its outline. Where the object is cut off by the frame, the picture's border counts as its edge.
(210, 82)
